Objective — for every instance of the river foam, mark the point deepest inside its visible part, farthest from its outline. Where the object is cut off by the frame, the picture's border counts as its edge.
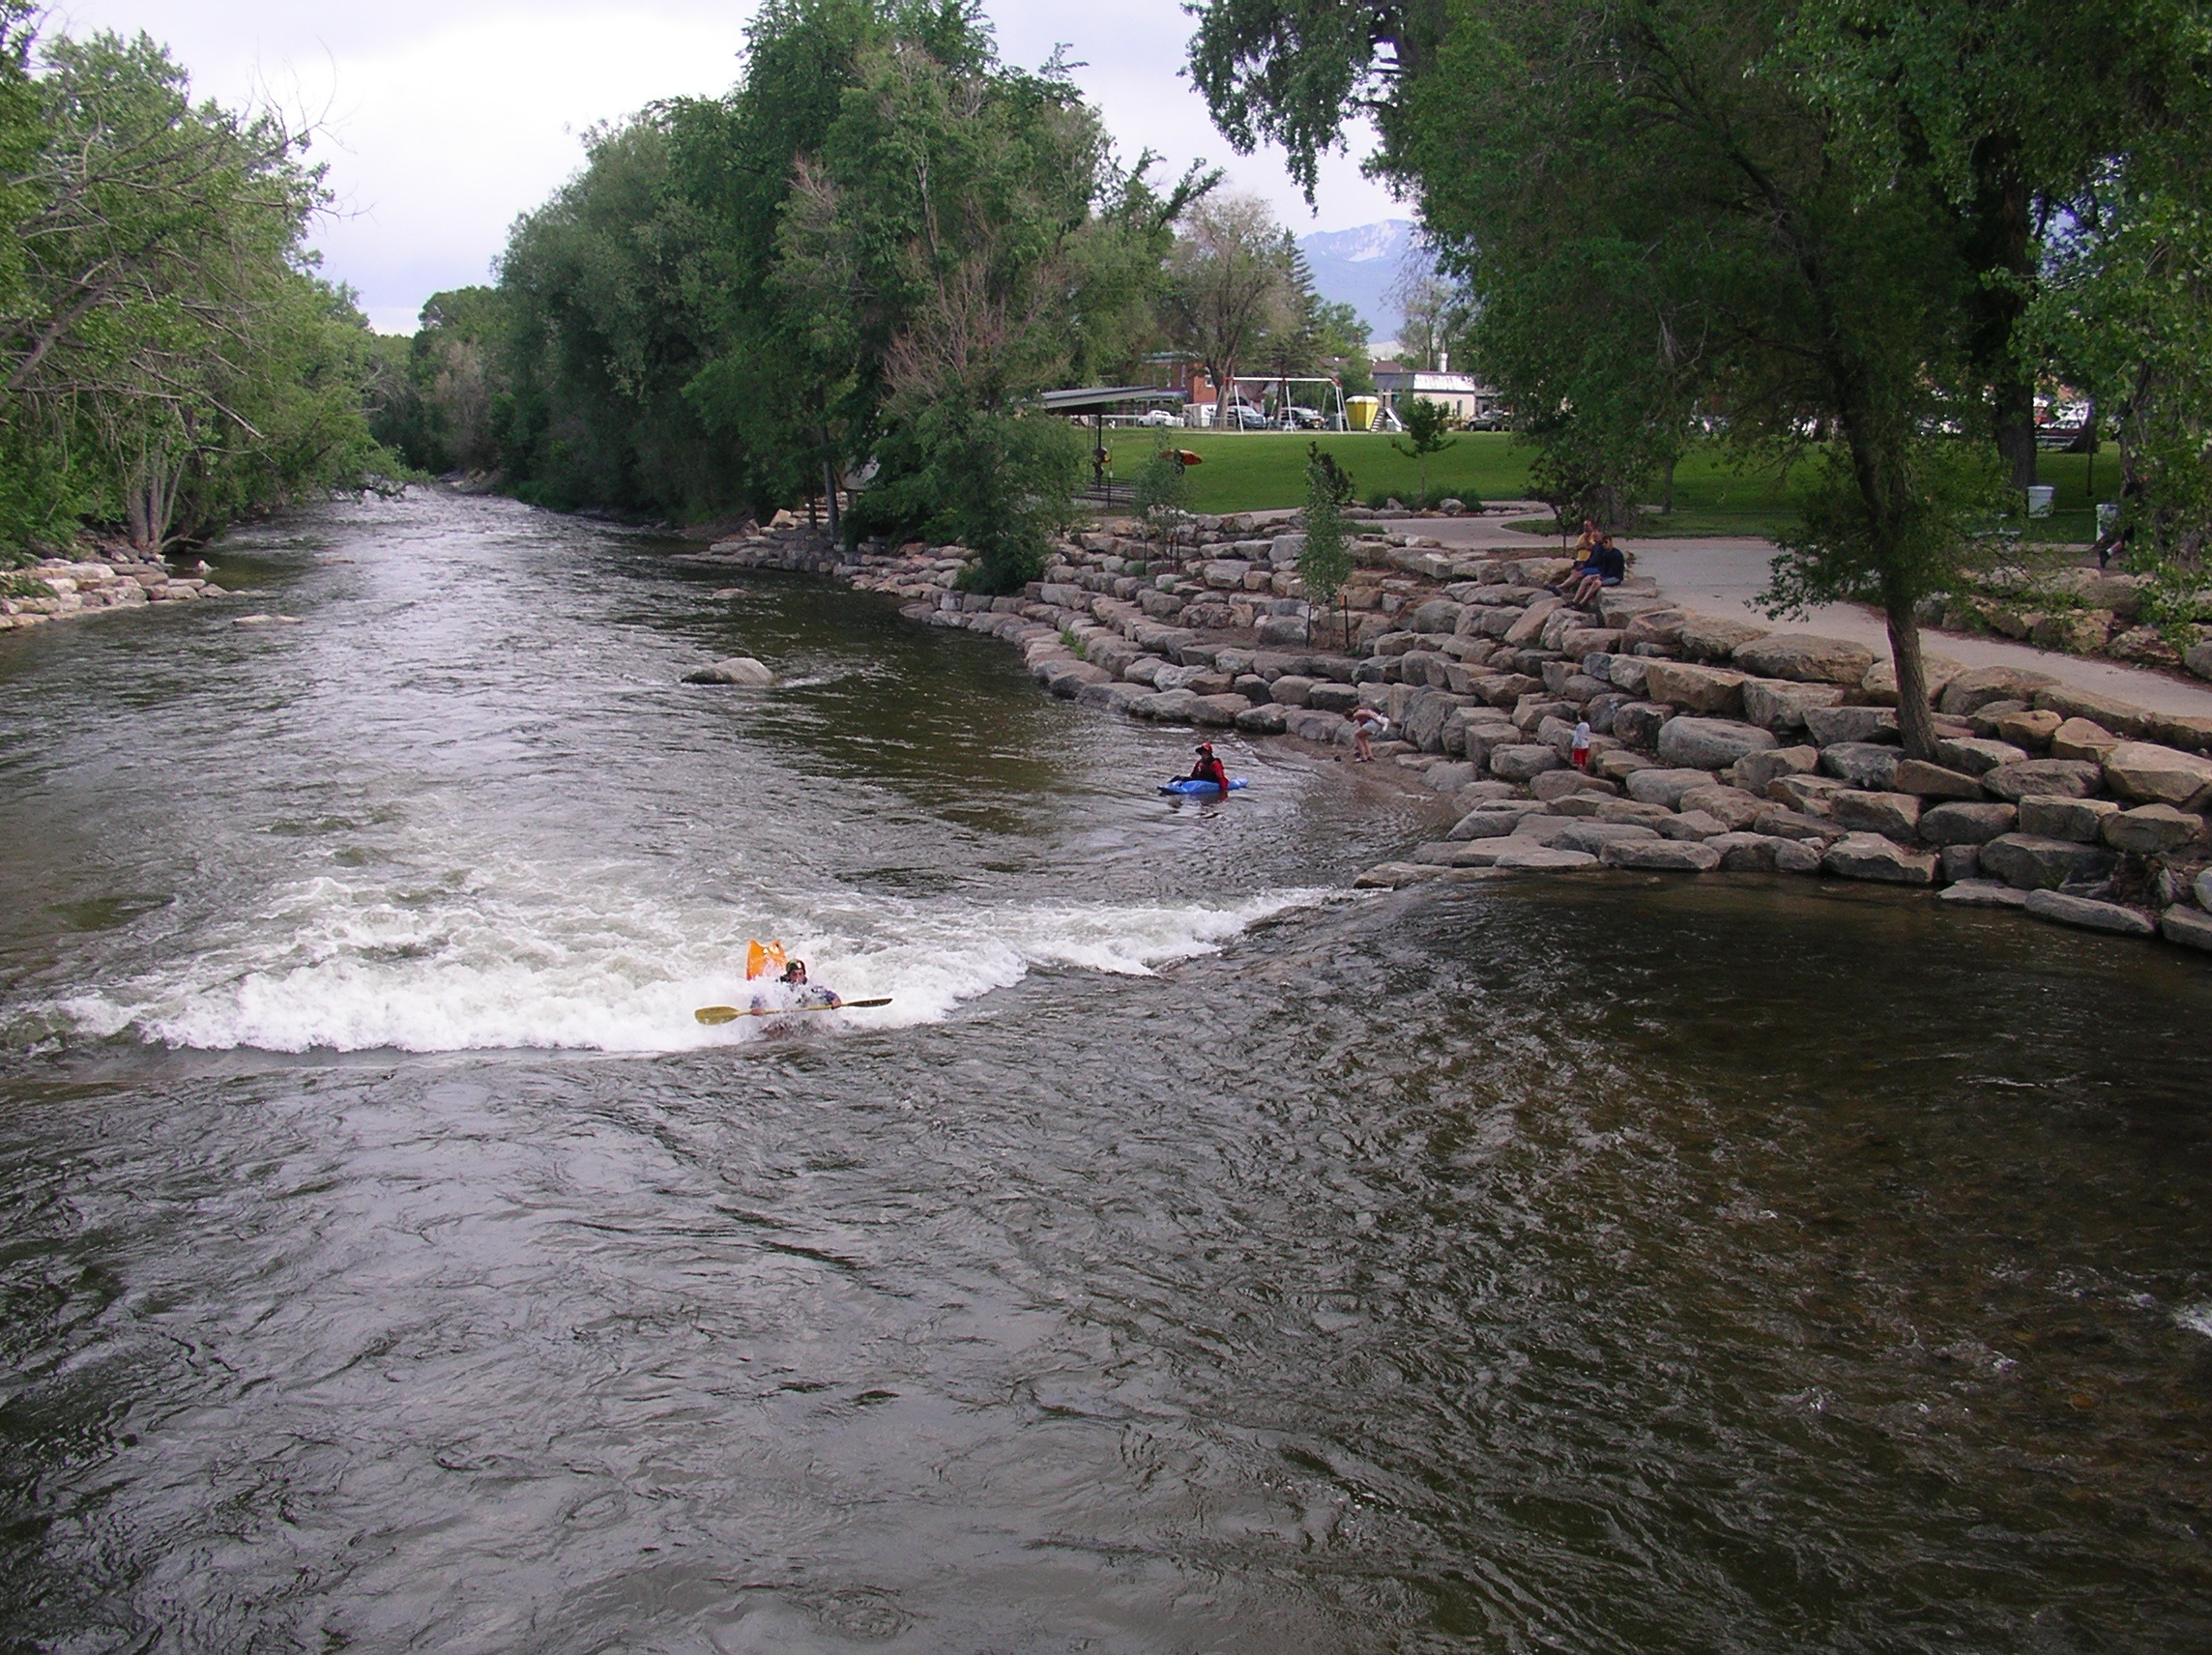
(354, 965)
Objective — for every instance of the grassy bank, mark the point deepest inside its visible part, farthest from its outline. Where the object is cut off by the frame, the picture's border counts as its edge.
(1252, 471)
(1259, 470)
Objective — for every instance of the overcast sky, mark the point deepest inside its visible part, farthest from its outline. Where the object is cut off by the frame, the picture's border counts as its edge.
(447, 118)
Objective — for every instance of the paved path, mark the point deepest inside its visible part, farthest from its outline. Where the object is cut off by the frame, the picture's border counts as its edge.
(1719, 576)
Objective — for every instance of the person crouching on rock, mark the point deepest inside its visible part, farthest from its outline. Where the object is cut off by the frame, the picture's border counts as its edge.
(1209, 768)
(1366, 724)
(1578, 750)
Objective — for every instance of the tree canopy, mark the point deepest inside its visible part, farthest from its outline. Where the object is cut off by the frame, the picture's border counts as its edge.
(170, 358)
(1807, 218)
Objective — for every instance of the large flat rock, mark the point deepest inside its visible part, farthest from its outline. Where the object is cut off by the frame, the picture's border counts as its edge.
(1807, 657)
(1885, 861)
(1695, 689)
(2028, 861)
(2088, 915)
(1710, 744)
(2143, 773)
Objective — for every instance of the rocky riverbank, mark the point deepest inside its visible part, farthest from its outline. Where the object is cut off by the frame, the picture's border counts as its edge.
(62, 590)
(1717, 746)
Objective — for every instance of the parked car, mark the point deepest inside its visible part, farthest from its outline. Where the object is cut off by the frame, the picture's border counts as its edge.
(1297, 419)
(1244, 416)
(1160, 416)
(1489, 420)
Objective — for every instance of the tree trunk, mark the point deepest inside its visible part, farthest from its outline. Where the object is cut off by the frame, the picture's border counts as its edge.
(2016, 433)
(1915, 720)
(830, 492)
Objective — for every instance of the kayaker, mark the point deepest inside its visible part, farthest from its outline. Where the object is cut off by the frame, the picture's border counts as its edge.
(792, 991)
(1209, 768)
(805, 993)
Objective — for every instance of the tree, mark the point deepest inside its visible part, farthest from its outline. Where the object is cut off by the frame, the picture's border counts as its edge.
(1229, 288)
(1426, 423)
(1428, 316)
(1162, 494)
(442, 397)
(169, 360)
(1325, 562)
(1341, 340)
(1683, 159)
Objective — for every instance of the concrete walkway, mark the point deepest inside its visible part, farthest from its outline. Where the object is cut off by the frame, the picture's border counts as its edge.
(1719, 576)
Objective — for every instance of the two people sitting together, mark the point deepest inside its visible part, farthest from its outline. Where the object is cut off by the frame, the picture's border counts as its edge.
(1598, 564)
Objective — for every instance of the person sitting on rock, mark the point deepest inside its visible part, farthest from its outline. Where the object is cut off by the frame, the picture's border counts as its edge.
(1209, 768)
(1584, 543)
(1606, 565)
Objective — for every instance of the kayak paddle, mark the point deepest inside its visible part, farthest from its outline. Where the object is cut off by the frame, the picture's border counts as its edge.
(731, 1013)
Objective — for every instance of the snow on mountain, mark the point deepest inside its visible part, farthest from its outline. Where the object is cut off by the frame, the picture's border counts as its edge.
(1359, 265)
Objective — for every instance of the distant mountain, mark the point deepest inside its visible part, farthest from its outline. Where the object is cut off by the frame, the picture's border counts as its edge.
(1359, 265)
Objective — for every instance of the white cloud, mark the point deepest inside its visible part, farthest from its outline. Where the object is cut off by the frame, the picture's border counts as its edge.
(445, 121)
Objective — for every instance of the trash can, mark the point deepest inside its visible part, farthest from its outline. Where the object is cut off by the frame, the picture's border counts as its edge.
(1360, 410)
(2039, 499)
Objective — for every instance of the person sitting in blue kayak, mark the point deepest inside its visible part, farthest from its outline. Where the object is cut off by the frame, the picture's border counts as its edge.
(1209, 768)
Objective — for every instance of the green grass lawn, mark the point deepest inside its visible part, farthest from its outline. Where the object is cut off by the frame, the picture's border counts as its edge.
(1254, 470)
(1259, 470)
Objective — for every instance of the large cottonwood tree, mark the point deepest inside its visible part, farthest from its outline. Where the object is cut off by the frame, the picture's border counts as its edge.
(1782, 209)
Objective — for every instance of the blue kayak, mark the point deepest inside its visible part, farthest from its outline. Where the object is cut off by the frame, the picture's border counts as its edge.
(1186, 785)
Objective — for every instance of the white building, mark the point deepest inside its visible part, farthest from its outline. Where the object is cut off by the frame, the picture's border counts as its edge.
(1461, 395)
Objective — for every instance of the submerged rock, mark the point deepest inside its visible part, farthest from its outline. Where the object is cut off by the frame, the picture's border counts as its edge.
(741, 670)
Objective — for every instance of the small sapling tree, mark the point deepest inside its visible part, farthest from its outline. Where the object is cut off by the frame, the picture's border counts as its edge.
(1424, 422)
(1162, 495)
(1326, 563)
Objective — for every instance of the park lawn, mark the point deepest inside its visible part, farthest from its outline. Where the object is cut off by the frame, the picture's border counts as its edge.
(1714, 493)
(1255, 471)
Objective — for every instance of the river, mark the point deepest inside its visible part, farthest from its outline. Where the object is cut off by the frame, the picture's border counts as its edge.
(1191, 1257)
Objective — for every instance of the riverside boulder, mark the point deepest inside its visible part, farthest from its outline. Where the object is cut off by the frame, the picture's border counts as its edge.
(1778, 703)
(2143, 773)
(2073, 778)
(1862, 764)
(1871, 856)
(1661, 855)
(1665, 787)
(2150, 830)
(2088, 915)
(1710, 744)
(1806, 657)
(2056, 817)
(2028, 861)
(1968, 822)
(1979, 686)
(1756, 772)
(1892, 815)
(1933, 781)
(1695, 689)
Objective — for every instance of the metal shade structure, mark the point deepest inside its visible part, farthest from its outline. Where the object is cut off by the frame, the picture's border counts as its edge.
(1094, 400)
(1099, 399)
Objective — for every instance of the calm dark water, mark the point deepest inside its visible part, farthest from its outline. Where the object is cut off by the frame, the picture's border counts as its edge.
(1190, 1259)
